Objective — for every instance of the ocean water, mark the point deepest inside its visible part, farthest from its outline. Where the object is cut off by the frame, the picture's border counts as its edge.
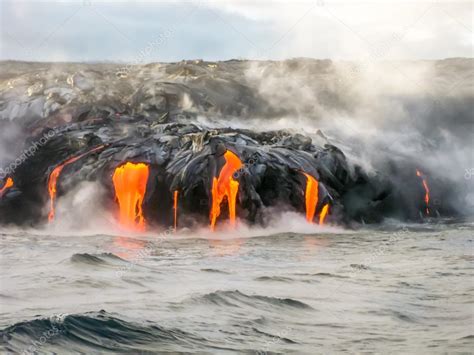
(392, 288)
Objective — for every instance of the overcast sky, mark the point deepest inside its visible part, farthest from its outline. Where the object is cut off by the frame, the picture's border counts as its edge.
(149, 31)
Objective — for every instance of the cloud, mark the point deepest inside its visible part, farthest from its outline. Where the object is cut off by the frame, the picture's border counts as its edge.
(115, 31)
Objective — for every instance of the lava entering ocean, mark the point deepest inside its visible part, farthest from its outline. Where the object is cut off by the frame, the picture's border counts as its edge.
(312, 199)
(225, 186)
(311, 196)
(175, 210)
(130, 182)
(8, 184)
(323, 214)
(53, 180)
(427, 190)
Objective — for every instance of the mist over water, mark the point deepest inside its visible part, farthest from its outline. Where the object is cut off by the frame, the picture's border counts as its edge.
(419, 111)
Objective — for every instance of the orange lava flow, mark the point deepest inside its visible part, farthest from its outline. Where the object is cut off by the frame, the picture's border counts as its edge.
(225, 186)
(427, 191)
(53, 181)
(323, 214)
(130, 182)
(311, 197)
(175, 208)
(8, 184)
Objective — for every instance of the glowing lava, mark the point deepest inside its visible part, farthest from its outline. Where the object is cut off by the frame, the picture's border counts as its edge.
(311, 197)
(130, 182)
(8, 184)
(427, 191)
(53, 180)
(225, 186)
(175, 209)
(323, 214)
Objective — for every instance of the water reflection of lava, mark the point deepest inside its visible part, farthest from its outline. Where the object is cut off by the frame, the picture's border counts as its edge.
(128, 248)
(226, 247)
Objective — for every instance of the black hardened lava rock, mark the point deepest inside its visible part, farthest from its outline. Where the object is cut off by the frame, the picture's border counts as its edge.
(95, 118)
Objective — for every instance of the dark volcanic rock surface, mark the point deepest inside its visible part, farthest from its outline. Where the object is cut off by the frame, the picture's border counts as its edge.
(150, 114)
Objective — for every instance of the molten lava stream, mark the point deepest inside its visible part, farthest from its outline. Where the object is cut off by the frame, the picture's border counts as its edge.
(323, 214)
(311, 197)
(175, 209)
(8, 184)
(427, 191)
(225, 186)
(54, 177)
(130, 181)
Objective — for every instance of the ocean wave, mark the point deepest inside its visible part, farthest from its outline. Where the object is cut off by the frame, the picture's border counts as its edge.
(242, 300)
(215, 271)
(274, 278)
(96, 259)
(274, 337)
(322, 274)
(95, 332)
